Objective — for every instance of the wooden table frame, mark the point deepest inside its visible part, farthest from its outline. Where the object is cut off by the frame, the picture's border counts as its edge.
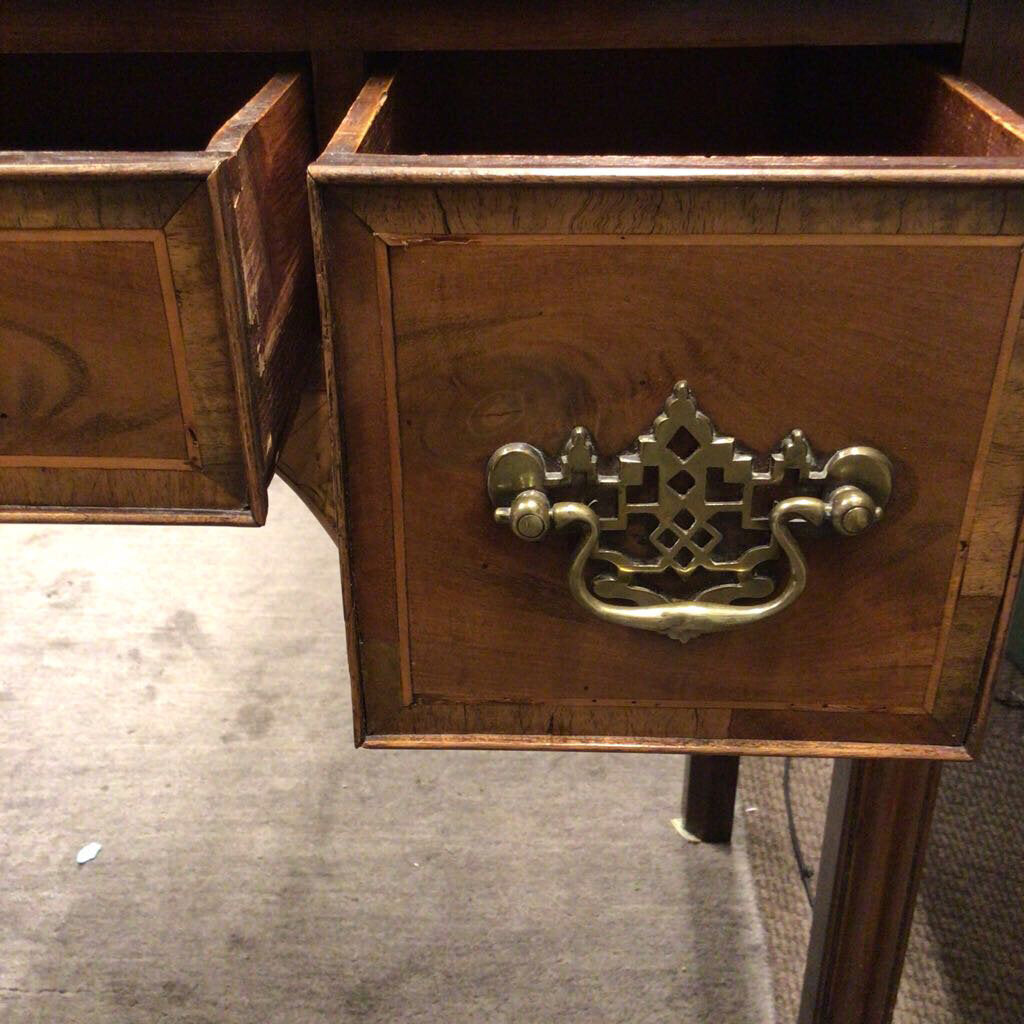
(879, 811)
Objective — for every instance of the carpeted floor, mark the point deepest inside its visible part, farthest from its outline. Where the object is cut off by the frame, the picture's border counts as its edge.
(965, 961)
(179, 695)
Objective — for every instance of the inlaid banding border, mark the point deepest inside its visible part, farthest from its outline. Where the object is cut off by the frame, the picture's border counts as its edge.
(941, 675)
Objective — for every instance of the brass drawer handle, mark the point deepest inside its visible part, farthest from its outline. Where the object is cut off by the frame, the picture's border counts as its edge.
(704, 532)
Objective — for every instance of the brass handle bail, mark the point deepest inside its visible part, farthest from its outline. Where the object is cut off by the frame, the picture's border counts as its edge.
(701, 477)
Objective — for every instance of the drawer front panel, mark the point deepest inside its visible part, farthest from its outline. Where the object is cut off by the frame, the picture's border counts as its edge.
(449, 346)
(148, 339)
(92, 358)
(497, 341)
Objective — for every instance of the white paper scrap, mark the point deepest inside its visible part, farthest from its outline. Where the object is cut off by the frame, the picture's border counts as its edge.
(88, 852)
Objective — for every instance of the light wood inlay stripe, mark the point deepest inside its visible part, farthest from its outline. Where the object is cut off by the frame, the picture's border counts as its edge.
(188, 414)
(395, 444)
(91, 462)
(929, 241)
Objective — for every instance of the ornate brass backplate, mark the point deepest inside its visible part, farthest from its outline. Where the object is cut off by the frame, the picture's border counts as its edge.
(685, 524)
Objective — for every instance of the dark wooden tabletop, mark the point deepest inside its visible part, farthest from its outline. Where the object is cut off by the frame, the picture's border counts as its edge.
(299, 25)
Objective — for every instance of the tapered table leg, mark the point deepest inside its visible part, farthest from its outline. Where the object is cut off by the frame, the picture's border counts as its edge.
(875, 837)
(709, 799)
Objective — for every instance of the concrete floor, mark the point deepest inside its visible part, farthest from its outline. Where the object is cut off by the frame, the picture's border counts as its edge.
(180, 695)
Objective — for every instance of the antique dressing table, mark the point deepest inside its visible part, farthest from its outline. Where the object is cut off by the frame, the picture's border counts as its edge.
(658, 368)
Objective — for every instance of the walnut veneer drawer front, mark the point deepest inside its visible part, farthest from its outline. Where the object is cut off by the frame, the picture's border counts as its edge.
(481, 308)
(156, 285)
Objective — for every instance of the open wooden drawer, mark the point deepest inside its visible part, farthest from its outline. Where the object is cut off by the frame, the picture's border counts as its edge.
(157, 306)
(827, 241)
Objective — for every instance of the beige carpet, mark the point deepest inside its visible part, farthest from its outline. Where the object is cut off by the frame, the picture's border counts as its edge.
(965, 961)
(179, 695)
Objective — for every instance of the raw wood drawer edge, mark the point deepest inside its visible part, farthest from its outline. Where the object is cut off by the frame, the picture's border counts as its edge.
(358, 169)
(641, 745)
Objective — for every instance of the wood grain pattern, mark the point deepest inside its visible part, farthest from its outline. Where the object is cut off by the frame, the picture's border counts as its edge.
(994, 655)
(964, 609)
(988, 587)
(106, 166)
(72, 203)
(354, 357)
(663, 728)
(916, 747)
(385, 305)
(74, 392)
(43, 493)
(306, 461)
(649, 208)
(258, 198)
(854, 342)
(324, 255)
(191, 248)
(367, 122)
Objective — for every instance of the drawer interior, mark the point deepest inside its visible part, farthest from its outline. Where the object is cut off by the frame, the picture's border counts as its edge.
(702, 103)
(124, 102)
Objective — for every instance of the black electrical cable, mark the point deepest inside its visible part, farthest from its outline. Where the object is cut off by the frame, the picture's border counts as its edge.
(806, 873)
